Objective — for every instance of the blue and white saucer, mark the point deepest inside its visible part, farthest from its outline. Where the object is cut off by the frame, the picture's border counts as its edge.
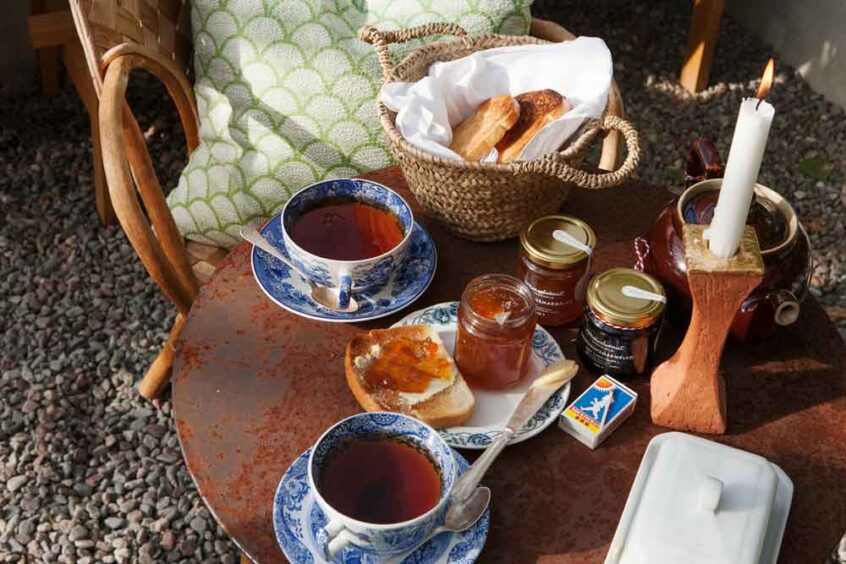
(493, 408)
(297, 520)
(290, 291)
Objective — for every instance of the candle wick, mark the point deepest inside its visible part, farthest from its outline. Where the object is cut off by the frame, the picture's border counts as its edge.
(758, 105)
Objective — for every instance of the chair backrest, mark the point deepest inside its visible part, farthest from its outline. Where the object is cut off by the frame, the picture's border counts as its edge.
(161, 27)
(118, 36)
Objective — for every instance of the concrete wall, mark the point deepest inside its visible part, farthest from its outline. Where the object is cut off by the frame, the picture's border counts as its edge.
(808, 34)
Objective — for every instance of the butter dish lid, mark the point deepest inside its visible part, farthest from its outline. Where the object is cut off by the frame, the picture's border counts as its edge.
(698, 501)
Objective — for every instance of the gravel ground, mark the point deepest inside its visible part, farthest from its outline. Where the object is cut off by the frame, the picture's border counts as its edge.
(88, 472)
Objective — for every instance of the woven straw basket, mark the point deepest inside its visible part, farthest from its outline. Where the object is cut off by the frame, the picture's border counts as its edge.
(487, 201)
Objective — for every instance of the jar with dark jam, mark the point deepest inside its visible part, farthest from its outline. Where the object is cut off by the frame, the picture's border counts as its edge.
(553, 269)
(619, 332)
(496, 323)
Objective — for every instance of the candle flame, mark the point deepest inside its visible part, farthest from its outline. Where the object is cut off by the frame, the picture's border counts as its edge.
(766, 80)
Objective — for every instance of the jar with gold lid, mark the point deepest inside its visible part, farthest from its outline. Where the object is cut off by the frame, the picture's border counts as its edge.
(555, 271)
(496, 323)
(619, 332)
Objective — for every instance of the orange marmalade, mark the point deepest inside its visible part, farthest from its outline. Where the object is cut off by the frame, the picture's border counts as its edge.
(407, 365)
(496, 322)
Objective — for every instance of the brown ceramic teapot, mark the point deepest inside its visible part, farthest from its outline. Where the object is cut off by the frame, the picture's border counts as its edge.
(784, 246)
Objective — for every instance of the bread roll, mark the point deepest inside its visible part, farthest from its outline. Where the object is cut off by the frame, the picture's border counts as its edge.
(537, 108)
(474, 138)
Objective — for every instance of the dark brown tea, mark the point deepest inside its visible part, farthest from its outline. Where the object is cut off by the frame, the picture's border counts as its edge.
(346, 230)
(380, 480)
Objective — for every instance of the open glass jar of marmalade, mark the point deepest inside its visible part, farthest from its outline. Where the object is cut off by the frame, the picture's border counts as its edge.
(553, 270)
(496, 322)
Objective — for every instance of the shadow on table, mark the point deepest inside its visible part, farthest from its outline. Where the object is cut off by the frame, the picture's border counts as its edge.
(799, 367)
(806, 539)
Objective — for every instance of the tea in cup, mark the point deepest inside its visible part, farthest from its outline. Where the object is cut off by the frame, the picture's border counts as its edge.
(347, 234)
(383, 480)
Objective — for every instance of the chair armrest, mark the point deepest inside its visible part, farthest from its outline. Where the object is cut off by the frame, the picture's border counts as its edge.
(127, 164)
(172, 77)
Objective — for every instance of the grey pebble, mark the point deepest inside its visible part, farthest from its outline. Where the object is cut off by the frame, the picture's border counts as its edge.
(16, 482)
(198, 524)
(79, 532)
(114, 522)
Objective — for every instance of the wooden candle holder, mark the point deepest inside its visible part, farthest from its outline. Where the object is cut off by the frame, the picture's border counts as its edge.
(688, 392)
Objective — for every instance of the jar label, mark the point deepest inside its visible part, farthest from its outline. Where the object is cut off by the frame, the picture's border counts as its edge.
(549, 301)
(612, 353)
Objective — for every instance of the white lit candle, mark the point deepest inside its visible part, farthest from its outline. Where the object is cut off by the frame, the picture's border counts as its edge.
(744, 163)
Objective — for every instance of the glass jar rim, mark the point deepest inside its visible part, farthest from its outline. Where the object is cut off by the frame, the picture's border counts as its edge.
(510, 282)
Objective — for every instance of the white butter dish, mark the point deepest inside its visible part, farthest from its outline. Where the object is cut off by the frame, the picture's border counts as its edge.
(698, 501)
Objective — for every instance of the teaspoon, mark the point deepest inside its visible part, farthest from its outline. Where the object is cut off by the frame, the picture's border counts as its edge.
(327, 297)
(564, 237)
(459, 517)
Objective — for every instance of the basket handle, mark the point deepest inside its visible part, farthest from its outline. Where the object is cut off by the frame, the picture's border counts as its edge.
(555, 165)
(381, 39)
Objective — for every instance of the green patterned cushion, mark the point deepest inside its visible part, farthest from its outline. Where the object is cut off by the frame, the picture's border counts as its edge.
(286, 95)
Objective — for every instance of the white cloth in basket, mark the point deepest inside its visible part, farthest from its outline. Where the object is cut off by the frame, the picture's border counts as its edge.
(580, 70)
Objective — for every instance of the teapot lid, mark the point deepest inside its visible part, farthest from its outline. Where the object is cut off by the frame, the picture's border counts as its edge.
(772, 217)
(698, 501)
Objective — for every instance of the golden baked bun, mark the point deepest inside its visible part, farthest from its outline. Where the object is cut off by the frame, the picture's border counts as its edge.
(537, 108)
(474, 138)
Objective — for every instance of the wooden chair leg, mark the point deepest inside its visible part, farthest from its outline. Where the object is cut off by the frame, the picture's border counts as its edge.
(701, 40)
(47, 57)
(48, 68)
(74, 60)
(158, 375)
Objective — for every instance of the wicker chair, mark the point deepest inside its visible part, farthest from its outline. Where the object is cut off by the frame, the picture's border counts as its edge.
(119, 36)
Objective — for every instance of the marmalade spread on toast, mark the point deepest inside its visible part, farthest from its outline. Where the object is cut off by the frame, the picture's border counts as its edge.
(407, 365)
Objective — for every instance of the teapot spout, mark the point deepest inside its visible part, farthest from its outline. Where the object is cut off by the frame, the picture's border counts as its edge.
(785, 307)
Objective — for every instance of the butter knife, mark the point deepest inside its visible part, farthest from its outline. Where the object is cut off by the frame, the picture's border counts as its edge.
(551, 379)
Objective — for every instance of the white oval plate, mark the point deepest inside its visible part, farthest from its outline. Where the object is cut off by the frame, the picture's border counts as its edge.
(494, 408)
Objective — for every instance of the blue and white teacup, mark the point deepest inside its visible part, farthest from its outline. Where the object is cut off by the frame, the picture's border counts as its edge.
(347, 275)
(388, 539)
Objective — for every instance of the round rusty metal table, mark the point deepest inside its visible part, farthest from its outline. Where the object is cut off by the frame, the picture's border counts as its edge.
(254, 386)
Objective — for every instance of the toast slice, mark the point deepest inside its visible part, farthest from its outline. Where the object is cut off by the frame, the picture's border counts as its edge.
(537, 108)
(474, 138)
(408, 370)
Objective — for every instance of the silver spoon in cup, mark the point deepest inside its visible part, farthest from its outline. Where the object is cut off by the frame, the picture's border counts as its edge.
(458, 518)
(327, 297)
(468, 501)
